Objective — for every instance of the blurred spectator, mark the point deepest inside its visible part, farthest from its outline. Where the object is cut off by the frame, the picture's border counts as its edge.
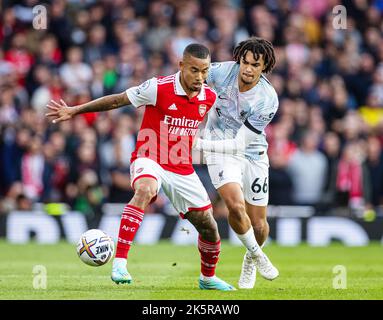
(96, 47)
(331, 149)
(120, 186)
(85, 159)
(76, 74)
(41, 95)
(6, 68)
(15, 144)
(9, 26)
(375, 168)
(89, 195)
(159, 19)
(279, 140)
(56, 168)
(353, 180)
(308, 184)
(280, 182)
(59, 23)
(19, 56)
(9, 113)
(121, 146)
(115, 157)
(81, 25)
(32, 166)
(97, 87)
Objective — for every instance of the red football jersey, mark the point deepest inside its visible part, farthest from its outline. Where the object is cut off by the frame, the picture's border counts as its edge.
(170, 121)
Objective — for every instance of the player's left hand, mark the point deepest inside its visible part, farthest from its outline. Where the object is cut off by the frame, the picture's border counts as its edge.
(60, 111)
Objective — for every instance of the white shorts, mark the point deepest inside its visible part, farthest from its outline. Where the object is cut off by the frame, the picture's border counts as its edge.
(252, 176)
(185, 192)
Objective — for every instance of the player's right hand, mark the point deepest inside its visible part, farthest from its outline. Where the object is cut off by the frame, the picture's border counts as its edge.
(60, 111)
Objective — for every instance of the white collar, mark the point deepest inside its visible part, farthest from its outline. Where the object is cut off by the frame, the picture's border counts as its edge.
(181, 92)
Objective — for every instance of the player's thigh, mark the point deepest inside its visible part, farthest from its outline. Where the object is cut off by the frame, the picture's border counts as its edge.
(186, 193)
(256, 183)
(224, 169)
(146, 173)
(232, 195)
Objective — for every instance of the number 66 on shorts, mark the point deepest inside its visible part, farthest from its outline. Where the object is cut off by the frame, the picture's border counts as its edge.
(252, 176)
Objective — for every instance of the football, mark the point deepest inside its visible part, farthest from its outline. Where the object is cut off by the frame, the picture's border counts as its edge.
(95, 247)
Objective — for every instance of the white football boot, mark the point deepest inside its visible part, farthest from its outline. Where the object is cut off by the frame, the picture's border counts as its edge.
(248, 273)
(264, 266)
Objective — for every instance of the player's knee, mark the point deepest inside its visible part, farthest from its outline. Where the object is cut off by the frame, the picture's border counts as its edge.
(236, 210)
(207, 221)
(144, 193)
(205, 224)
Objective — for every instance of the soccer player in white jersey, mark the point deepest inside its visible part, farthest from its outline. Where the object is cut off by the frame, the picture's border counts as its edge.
(236, 148)
(174, 107)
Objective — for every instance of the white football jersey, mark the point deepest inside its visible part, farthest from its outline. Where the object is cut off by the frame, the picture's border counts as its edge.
(254, 108)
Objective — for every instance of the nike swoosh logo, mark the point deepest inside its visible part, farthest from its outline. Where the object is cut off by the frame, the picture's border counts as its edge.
(222, 97)
(256, 199)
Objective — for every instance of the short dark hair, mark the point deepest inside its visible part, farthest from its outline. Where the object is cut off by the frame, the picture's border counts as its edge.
(197, 50)
(257, 46)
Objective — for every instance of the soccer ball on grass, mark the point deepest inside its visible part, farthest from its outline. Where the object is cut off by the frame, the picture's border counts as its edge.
(95, 247)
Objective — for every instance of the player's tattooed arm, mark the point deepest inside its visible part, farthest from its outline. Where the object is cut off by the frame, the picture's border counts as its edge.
(60, 111)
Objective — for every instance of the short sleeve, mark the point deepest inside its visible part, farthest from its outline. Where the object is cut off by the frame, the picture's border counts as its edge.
(144, 94)
(261, 119)
(212, 75)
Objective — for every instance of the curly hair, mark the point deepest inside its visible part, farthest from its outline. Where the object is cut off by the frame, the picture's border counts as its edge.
(257, 46)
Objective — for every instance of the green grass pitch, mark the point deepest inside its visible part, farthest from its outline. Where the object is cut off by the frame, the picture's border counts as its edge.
(169, 272)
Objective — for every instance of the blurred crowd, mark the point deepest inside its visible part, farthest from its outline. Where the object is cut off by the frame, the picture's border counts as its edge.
(325, 143)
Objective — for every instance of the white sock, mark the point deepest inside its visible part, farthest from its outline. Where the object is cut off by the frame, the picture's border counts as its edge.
(249, 241)
(204, 278)
(119, 262)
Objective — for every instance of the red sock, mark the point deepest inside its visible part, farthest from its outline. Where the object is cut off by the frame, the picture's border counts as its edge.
(130, 222)
(209, 252)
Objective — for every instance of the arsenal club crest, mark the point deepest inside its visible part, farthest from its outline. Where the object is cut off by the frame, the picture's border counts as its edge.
(202, 109)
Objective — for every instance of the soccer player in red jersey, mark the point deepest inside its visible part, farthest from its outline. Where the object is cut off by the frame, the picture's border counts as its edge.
(175, 106)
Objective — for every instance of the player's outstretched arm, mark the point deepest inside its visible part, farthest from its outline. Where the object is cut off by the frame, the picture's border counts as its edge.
(244, 139)
(60, 111)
